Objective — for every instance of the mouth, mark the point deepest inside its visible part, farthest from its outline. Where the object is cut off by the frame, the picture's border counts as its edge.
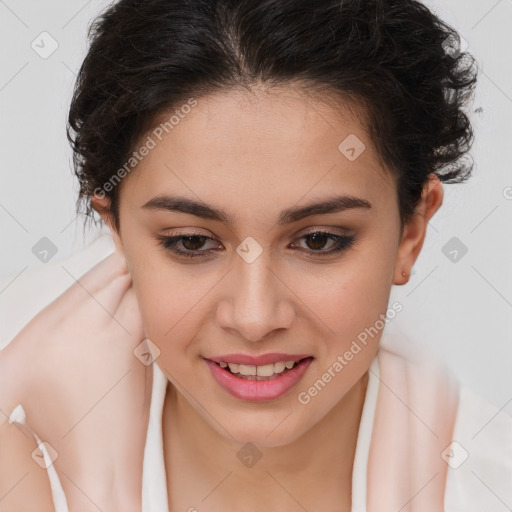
(263, 372)
(259, 383)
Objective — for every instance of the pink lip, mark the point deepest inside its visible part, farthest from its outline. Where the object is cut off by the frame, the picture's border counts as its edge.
(258, 390)
(259, 360)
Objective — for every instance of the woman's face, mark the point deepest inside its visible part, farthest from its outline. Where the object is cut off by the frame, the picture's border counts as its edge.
(261, 285)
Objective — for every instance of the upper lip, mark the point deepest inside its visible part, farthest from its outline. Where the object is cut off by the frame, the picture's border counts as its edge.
(258, 360)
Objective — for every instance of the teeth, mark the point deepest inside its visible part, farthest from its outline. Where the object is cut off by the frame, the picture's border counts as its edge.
(279, 367)
(267, 370)
(233, 367)
(246, 369)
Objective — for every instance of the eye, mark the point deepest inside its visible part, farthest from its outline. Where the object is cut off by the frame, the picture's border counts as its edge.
(316, 240)
(191, 245)
(190, 241)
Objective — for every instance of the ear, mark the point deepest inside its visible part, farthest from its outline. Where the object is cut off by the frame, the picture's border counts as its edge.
(416, 229)
(102, 205)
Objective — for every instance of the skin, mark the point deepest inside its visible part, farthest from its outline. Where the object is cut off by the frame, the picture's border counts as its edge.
(20, 477)
(254, 155)
(73, 369)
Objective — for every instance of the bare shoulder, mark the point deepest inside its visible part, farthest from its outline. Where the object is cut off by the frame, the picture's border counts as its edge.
(24, 485)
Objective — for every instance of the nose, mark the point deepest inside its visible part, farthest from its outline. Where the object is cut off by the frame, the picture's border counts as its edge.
(257, 302)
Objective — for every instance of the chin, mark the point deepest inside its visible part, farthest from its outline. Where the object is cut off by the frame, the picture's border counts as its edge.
(264, 434)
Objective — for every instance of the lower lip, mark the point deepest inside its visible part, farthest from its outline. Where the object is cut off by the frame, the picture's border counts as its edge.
(259, 390)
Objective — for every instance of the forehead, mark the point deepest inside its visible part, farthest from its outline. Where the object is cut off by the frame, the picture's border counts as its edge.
(258, 150)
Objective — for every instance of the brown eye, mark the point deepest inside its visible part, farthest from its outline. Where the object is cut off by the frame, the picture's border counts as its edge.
(192, 244)
(317, 240)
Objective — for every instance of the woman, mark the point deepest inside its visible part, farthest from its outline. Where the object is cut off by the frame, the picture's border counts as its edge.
(268, 170)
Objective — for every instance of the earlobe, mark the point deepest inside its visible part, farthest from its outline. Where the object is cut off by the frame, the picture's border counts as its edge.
(101, 204)
(416, 229)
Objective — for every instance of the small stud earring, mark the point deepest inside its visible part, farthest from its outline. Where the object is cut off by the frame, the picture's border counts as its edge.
(404, 274)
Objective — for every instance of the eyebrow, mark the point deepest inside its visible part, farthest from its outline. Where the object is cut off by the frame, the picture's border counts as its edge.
(333, 204)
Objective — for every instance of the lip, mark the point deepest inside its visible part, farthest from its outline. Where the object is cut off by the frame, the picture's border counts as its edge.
(259, 390)
(261, 360)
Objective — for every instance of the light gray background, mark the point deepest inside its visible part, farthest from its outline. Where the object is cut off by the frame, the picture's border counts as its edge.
(461, 310)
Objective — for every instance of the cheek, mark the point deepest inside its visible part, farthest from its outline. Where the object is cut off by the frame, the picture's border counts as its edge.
(349, 298)
(354, 304)
(169, 302)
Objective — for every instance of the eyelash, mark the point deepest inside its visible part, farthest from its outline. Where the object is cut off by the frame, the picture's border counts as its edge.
(344, 243)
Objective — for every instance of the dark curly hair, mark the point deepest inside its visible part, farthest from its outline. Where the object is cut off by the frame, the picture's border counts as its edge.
(394, 57)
